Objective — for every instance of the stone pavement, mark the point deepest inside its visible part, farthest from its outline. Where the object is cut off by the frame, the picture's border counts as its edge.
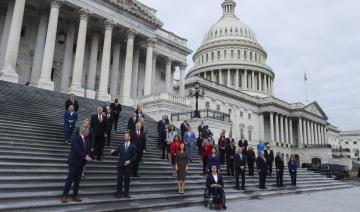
(345, 200)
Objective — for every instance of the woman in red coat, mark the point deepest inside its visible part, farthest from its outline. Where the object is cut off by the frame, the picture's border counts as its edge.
(174, 148)
(205, 153)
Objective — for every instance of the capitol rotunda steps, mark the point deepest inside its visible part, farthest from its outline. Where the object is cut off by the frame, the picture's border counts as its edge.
(33, 163)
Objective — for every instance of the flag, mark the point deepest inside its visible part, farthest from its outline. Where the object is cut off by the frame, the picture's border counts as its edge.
(305, 77)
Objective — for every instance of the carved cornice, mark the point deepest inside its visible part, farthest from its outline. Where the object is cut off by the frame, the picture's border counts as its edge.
(134, 8)
(151, 42)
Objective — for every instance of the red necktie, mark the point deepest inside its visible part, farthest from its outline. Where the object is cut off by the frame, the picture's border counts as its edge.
(100, 118)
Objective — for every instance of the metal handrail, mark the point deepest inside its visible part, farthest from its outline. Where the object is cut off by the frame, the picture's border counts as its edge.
(205, 113)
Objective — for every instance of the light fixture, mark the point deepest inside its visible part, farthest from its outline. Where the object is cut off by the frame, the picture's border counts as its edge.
(61, 37)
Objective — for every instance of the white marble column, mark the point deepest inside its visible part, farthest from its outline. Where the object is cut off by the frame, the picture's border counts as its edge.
(126, 99)
(272, 127)
(312, 133)
(68, 58)
(291, 136)
(245, 80)
(237, 79)
(148, 68)
(260, 82)
(308, 130)
(318, 142)
(182, 79)
(286, 130)
(253, 80)
(282, 129)
(266, 88)
(6, 31)
(228, 80)
(76, 86)
(300, 133)
(261, 127)
(102, 93)
(39, 48)
(47, 63)
(271, 86)
(8, 72)
(305, 140)
(221, 81)
(168, 75)
(277, 134)
(155, 81)
(115, 70)
(90, 92)
(322, 135)
(135, 74)
(212, 76)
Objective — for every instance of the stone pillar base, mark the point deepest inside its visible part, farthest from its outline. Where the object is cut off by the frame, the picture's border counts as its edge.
(77, 90)
(103, 96)
(9, 76)
(90, 94)
(127, 101)
(46, 84)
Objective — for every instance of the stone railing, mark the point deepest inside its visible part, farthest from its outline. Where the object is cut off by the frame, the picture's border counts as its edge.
(172, 37)
(212, 114)
(162, 97)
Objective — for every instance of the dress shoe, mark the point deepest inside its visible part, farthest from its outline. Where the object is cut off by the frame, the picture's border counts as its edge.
(77, 198)
(64, 199)
(243, 189)
(127, 196)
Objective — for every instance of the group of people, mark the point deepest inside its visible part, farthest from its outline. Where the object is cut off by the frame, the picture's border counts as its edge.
(89, 141)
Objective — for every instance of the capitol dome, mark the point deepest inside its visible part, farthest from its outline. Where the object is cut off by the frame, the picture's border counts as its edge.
(230, 55)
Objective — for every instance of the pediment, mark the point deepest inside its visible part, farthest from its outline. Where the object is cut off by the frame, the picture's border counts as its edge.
(315, 109)
(137, 9)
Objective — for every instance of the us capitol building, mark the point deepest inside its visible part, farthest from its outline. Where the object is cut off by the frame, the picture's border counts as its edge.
(118, 48)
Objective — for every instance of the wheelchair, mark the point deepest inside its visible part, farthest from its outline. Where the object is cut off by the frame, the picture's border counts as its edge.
(208, 199)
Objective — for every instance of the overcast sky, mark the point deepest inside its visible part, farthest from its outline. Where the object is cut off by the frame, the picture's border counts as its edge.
(320, 37)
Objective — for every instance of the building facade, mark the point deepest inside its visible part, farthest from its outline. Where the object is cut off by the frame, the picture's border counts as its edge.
(92, 48)
(118, 48)
(230, 65)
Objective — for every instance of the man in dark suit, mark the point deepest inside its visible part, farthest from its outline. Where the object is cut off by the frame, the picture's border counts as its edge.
(250, 157)
(127, 156)
(109, 124)
(230, 155)
(139, 139)
(72, 101)
(132, 122)
(77, 157)
(215, 183)
(201, 127)
(116, 110)
(279, 164)
(98, 125)
(240, 163)
(269, 155)
(160, 128)
(183, 129)
(262, 169)
(243, 143)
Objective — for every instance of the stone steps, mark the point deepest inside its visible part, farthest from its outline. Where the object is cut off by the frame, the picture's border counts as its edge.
(33, 163)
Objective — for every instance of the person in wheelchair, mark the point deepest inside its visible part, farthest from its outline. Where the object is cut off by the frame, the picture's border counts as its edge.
(215, 184)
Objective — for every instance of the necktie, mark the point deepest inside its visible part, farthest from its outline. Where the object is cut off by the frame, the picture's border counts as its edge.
(100, 118)
(84, 142)
(126, 147)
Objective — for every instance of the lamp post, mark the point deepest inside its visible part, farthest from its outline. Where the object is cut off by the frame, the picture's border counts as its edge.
(197, 93)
